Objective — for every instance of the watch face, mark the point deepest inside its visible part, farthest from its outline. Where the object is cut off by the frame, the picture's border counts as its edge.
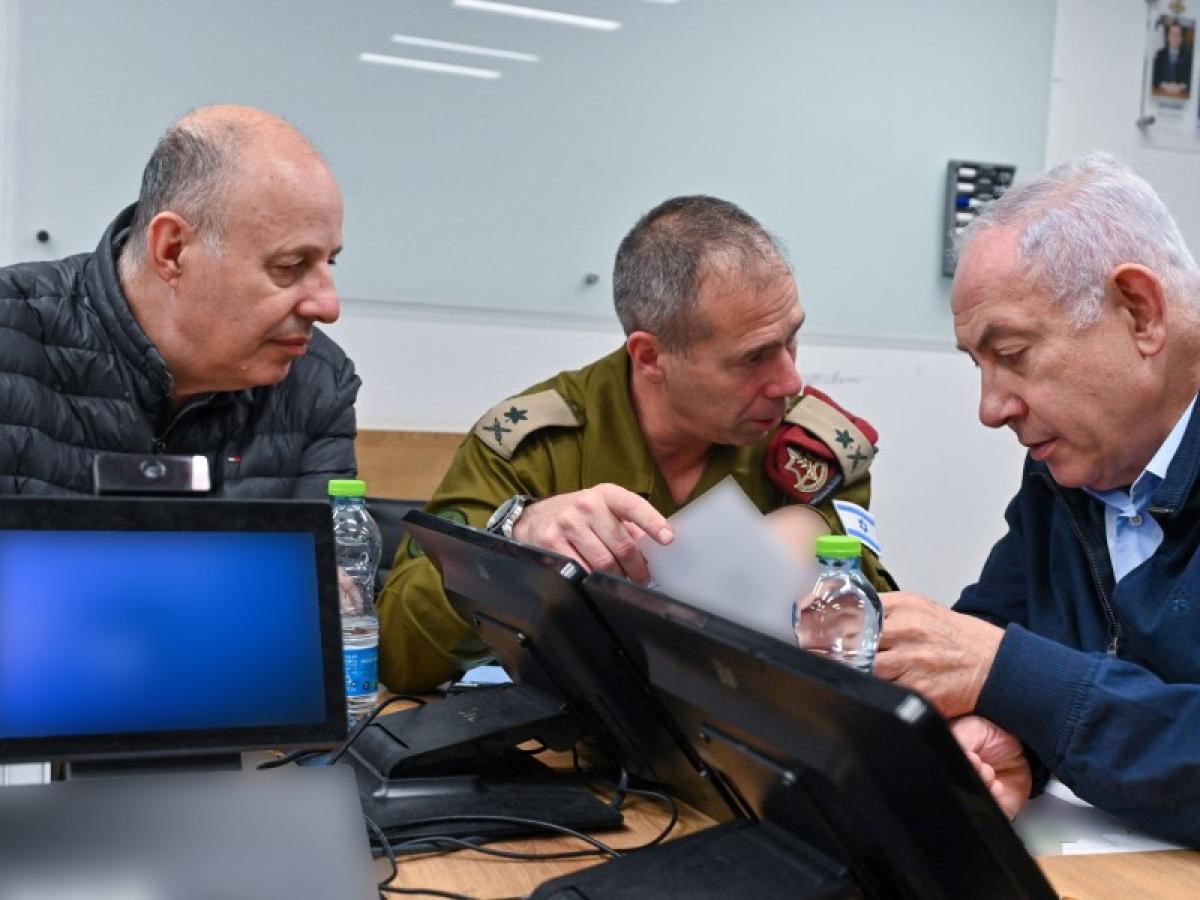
(495, 519)
(497, 515)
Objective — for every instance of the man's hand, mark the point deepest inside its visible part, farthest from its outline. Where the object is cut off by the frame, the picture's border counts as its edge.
(350, 600)
(942, 654)
(597, 526)
(998, 758)
(798, 527)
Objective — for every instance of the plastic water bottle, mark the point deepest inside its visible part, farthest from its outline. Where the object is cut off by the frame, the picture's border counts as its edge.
(358, 547)
(842, 618)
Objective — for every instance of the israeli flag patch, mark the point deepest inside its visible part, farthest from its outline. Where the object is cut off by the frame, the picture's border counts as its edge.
(858, 523)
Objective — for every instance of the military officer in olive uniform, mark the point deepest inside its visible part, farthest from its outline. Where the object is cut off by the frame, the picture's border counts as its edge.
(705, 387)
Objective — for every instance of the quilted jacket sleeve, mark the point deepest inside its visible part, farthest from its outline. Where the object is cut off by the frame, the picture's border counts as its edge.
(329, 452)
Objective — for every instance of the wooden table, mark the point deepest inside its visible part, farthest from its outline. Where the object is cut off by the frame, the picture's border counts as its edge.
(1162, 873)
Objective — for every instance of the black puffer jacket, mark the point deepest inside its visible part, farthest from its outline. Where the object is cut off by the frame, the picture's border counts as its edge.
(78, 375)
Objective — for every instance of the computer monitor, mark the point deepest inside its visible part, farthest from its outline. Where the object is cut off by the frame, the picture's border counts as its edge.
(527, 605)
(134, 628)
(860, 776)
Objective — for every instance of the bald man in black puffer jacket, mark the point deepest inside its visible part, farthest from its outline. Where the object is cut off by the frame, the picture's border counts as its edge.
(190, 329)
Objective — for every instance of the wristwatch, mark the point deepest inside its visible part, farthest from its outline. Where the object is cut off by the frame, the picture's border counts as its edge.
(505, 517)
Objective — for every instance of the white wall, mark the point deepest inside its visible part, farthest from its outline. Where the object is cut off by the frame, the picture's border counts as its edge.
(1099, 55)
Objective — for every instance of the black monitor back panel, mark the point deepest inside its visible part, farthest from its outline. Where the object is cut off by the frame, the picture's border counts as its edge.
(528, 607)
(864, 772)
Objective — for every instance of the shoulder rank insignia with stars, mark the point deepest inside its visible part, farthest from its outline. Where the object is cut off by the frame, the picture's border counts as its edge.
(505, 425)
(819, 447)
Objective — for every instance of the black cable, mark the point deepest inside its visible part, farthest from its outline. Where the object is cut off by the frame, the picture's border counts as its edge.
(671, 822)
(425, 892)
(622, 788)
(517, 820)
(367, 720)
(444, 843)
(297, 755)
(387, 852)
(432, 842)
(386, 887)
(294, 757)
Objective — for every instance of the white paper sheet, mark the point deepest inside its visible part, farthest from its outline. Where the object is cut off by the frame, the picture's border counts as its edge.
(1060, 822)
(726, 560)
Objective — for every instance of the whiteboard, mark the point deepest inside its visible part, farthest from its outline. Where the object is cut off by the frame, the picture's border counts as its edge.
(830, 122)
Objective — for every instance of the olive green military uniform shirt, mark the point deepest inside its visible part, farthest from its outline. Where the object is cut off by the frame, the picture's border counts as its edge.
(577, 430)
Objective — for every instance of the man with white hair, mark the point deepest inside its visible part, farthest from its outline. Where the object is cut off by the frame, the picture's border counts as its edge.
(1079, 302)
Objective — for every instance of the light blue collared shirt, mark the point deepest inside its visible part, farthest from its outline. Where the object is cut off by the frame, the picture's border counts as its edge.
(1132, 533)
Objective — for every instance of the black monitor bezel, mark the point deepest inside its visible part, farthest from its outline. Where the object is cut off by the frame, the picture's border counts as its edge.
(744, 734)
(153, 514)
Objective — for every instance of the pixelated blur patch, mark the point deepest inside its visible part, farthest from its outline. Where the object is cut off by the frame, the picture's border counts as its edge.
(450, 514)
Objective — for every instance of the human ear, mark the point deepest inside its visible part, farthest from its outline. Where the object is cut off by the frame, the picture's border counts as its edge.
(645, 355)
(1138, 295)
(167, 237)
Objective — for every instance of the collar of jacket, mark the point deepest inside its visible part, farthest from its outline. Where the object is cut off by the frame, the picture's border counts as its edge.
(1170, 498)
(626, 461)
(149, 375)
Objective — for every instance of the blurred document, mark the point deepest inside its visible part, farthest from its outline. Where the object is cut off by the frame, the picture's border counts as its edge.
(726, 560)
(1059, 822)
(1117, 843)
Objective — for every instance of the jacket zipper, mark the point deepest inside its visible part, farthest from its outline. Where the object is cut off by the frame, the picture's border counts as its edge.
(159, 444)
(1114, 626)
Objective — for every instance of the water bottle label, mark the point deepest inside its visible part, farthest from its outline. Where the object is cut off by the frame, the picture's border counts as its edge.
(362, 670)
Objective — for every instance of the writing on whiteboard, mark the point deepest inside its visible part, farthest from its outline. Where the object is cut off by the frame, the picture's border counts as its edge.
(837, 376)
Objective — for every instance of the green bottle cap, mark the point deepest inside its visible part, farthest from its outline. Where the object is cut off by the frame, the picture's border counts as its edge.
(839, 546)
(347, 487)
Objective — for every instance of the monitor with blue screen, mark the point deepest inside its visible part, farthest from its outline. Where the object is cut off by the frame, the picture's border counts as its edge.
(161, 626)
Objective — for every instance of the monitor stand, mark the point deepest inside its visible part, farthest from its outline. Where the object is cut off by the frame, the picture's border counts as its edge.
(428, 770)
(450, 734)
(739, 860)
(149, 765)
(509, 785)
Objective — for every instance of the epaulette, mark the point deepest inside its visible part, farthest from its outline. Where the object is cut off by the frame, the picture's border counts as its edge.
(505, 425)
(850, 439)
